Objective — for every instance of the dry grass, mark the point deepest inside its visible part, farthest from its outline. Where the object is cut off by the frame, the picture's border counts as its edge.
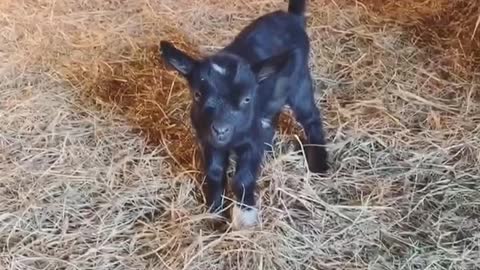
(99, 169)
(449, 30)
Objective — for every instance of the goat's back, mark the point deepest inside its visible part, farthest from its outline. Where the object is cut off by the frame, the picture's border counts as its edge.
(269, 35)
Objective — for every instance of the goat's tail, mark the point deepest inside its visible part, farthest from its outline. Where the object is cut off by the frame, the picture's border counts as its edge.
(297, 7)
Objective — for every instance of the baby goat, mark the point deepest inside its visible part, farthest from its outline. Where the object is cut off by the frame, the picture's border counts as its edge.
(238, 94)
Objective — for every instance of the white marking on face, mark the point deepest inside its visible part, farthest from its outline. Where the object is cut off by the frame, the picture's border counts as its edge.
(244, 218)
(219, 69)
(266, 123)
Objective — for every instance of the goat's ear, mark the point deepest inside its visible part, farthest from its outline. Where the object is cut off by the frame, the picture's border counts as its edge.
(270, 66)
(181, 61)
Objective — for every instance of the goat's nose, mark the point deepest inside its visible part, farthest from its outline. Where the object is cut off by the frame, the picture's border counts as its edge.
(219, 129)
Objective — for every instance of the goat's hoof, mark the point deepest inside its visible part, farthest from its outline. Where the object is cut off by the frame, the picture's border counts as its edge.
(218, 216)
(243, 218)
(318, 167)
(218, 224)
(217, 221)
(317, 159)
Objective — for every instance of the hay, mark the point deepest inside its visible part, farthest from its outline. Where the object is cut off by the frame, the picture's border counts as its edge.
(92, 179)
(449, 30)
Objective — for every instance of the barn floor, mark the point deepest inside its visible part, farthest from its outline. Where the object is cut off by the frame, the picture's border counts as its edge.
(99, 169)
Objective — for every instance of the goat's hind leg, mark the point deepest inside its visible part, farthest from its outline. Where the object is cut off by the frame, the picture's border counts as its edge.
(302, 102)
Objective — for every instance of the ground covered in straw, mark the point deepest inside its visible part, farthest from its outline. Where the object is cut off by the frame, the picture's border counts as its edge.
(99, 171)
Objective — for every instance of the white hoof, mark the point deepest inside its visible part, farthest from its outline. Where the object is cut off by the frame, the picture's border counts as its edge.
(244, 218)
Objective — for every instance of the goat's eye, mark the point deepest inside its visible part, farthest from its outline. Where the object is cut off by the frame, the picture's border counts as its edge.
(246, 100)
(197, 95)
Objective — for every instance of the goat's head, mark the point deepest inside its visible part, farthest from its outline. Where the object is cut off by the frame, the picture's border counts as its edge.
(223, 88)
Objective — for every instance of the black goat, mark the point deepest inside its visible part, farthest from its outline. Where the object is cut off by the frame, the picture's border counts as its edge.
(238, 94)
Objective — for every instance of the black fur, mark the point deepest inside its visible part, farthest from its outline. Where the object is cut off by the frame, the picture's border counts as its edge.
(239, 89)
(297, 7)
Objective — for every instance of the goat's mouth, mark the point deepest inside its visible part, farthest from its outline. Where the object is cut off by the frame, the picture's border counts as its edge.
(220, 140)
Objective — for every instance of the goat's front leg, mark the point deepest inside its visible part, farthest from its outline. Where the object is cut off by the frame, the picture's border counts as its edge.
(215, 165)
(245, 213)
